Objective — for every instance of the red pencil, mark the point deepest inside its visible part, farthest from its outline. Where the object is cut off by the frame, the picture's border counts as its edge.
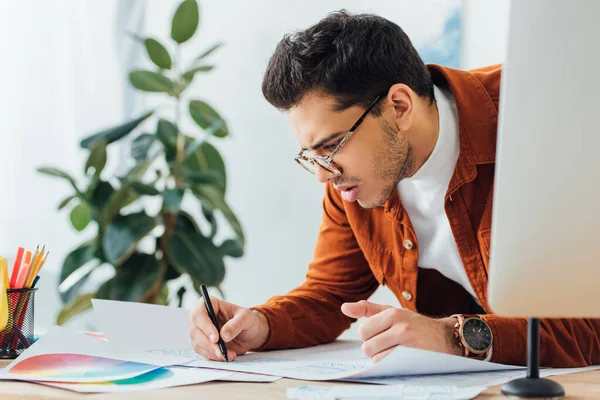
(16, 267)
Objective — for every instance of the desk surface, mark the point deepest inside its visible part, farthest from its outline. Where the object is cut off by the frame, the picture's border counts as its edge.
(582, 385)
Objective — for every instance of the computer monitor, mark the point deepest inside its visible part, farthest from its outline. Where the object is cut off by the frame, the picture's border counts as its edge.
(545, 240)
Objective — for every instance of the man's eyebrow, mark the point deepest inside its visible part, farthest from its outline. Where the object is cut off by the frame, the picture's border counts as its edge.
(320, 143)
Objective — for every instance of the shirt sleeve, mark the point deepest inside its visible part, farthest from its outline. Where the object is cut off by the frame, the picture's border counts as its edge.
(311, 313)
(563, 342)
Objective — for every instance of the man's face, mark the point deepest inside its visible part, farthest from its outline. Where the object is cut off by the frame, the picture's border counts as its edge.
(373, 160)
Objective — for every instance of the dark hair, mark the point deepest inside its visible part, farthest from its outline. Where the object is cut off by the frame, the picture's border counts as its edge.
(354, 58)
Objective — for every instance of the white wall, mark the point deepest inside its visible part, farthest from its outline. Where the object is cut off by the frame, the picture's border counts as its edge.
(48, 104)
(485, 32)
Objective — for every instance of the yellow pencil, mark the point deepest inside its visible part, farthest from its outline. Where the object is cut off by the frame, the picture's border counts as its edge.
(37, 271)
(35, 262)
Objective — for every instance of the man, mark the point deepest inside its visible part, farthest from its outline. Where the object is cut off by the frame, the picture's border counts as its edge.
(406, 152)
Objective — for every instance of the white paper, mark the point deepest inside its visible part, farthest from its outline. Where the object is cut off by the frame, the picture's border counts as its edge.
(173, 376)
(146, 327)
(62, 341)
(391, 392)
(469, 379)
(247, 377)
(125, 323)
(155, 330)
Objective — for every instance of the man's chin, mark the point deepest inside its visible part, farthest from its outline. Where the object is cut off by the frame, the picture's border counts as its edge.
(369, 205)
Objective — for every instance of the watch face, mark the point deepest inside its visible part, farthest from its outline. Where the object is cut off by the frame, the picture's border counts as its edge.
(477, 334)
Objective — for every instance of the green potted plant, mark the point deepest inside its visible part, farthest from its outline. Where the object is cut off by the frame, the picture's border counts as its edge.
(168, 165)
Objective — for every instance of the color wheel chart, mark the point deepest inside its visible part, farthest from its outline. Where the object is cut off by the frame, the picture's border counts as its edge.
(152, 376)
(76, 368)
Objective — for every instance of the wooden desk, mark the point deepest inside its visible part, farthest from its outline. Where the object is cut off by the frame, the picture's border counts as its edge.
(582, 385)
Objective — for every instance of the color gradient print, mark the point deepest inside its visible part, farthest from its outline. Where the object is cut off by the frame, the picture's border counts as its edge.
(152, 376)
(78, 368)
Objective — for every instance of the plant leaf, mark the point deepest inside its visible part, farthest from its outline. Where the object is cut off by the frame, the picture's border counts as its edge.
(58, 173)
(132, 280)
(100, 196)
(189, 75)
(77, 259)
(164, 295)
(208, 119)
(143, 188)
(185, 21)
(137, 172)
(212, 197)
(97, 158)
(118, 199)
(166, 131)
(150, 81)
(173, 198)
(231, 248)
(80, 217)
(114, 134)
(181, 85)
(209, 214)
(202, 156)
(80, 304)
(158, 53)
(211, 177)
(196, 255)
(141, 145)
(123, 234)
(208, 52)
(66, 202)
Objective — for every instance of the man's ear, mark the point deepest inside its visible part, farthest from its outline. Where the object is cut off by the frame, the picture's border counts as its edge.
(404, 101)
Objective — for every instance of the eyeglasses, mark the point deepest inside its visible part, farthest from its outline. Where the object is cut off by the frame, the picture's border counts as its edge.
(309, 162)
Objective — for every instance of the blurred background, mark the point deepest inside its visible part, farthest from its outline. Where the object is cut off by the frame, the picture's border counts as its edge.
(64, 67)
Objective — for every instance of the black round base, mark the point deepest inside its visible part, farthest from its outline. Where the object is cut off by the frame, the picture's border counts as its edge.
(537, 388)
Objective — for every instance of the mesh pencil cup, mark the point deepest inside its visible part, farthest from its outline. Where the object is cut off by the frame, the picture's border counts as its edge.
(17, 336)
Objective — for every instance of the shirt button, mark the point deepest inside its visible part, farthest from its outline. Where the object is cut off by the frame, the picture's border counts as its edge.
(407, 295)
(408, 244)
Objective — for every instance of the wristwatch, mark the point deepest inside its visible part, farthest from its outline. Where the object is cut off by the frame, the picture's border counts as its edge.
(474, 335)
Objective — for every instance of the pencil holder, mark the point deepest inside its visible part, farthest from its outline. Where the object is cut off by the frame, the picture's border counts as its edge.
(17, 336)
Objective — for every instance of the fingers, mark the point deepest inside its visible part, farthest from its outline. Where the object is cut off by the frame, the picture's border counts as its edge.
(199, 318)
(362, 308)
(203, 346)
(380, 356)
(377, 347)
(242, 320)
(377, 324)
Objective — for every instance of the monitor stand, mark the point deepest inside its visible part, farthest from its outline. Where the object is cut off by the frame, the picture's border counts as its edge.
(533, 386)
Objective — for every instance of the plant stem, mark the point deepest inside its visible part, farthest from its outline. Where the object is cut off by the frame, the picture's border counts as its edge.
(180, 137)
(170, 219)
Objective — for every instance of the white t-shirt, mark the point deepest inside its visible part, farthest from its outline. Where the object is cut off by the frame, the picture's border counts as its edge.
(422, 196)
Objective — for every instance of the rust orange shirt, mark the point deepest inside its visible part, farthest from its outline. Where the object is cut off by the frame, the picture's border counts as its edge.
(357, 250)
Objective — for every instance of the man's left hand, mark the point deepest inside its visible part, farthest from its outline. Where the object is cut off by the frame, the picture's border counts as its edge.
(387, 327)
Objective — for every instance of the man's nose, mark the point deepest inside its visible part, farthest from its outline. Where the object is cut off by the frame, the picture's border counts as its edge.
(322, 174)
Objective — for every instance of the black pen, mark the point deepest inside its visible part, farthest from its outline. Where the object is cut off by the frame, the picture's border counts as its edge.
(213, 318)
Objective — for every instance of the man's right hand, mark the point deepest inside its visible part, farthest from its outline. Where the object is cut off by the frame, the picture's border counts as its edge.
(241, 329)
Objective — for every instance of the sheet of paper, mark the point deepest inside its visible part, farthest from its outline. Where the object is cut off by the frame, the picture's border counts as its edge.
(241, 376)
(391, 392)
(125, 323)
(469, 379)
(160, 378)
(247, 377)
(72, 357)
(154, 330)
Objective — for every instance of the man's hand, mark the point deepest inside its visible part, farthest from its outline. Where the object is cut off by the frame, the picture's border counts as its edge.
(241, 330)
(387, 327)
